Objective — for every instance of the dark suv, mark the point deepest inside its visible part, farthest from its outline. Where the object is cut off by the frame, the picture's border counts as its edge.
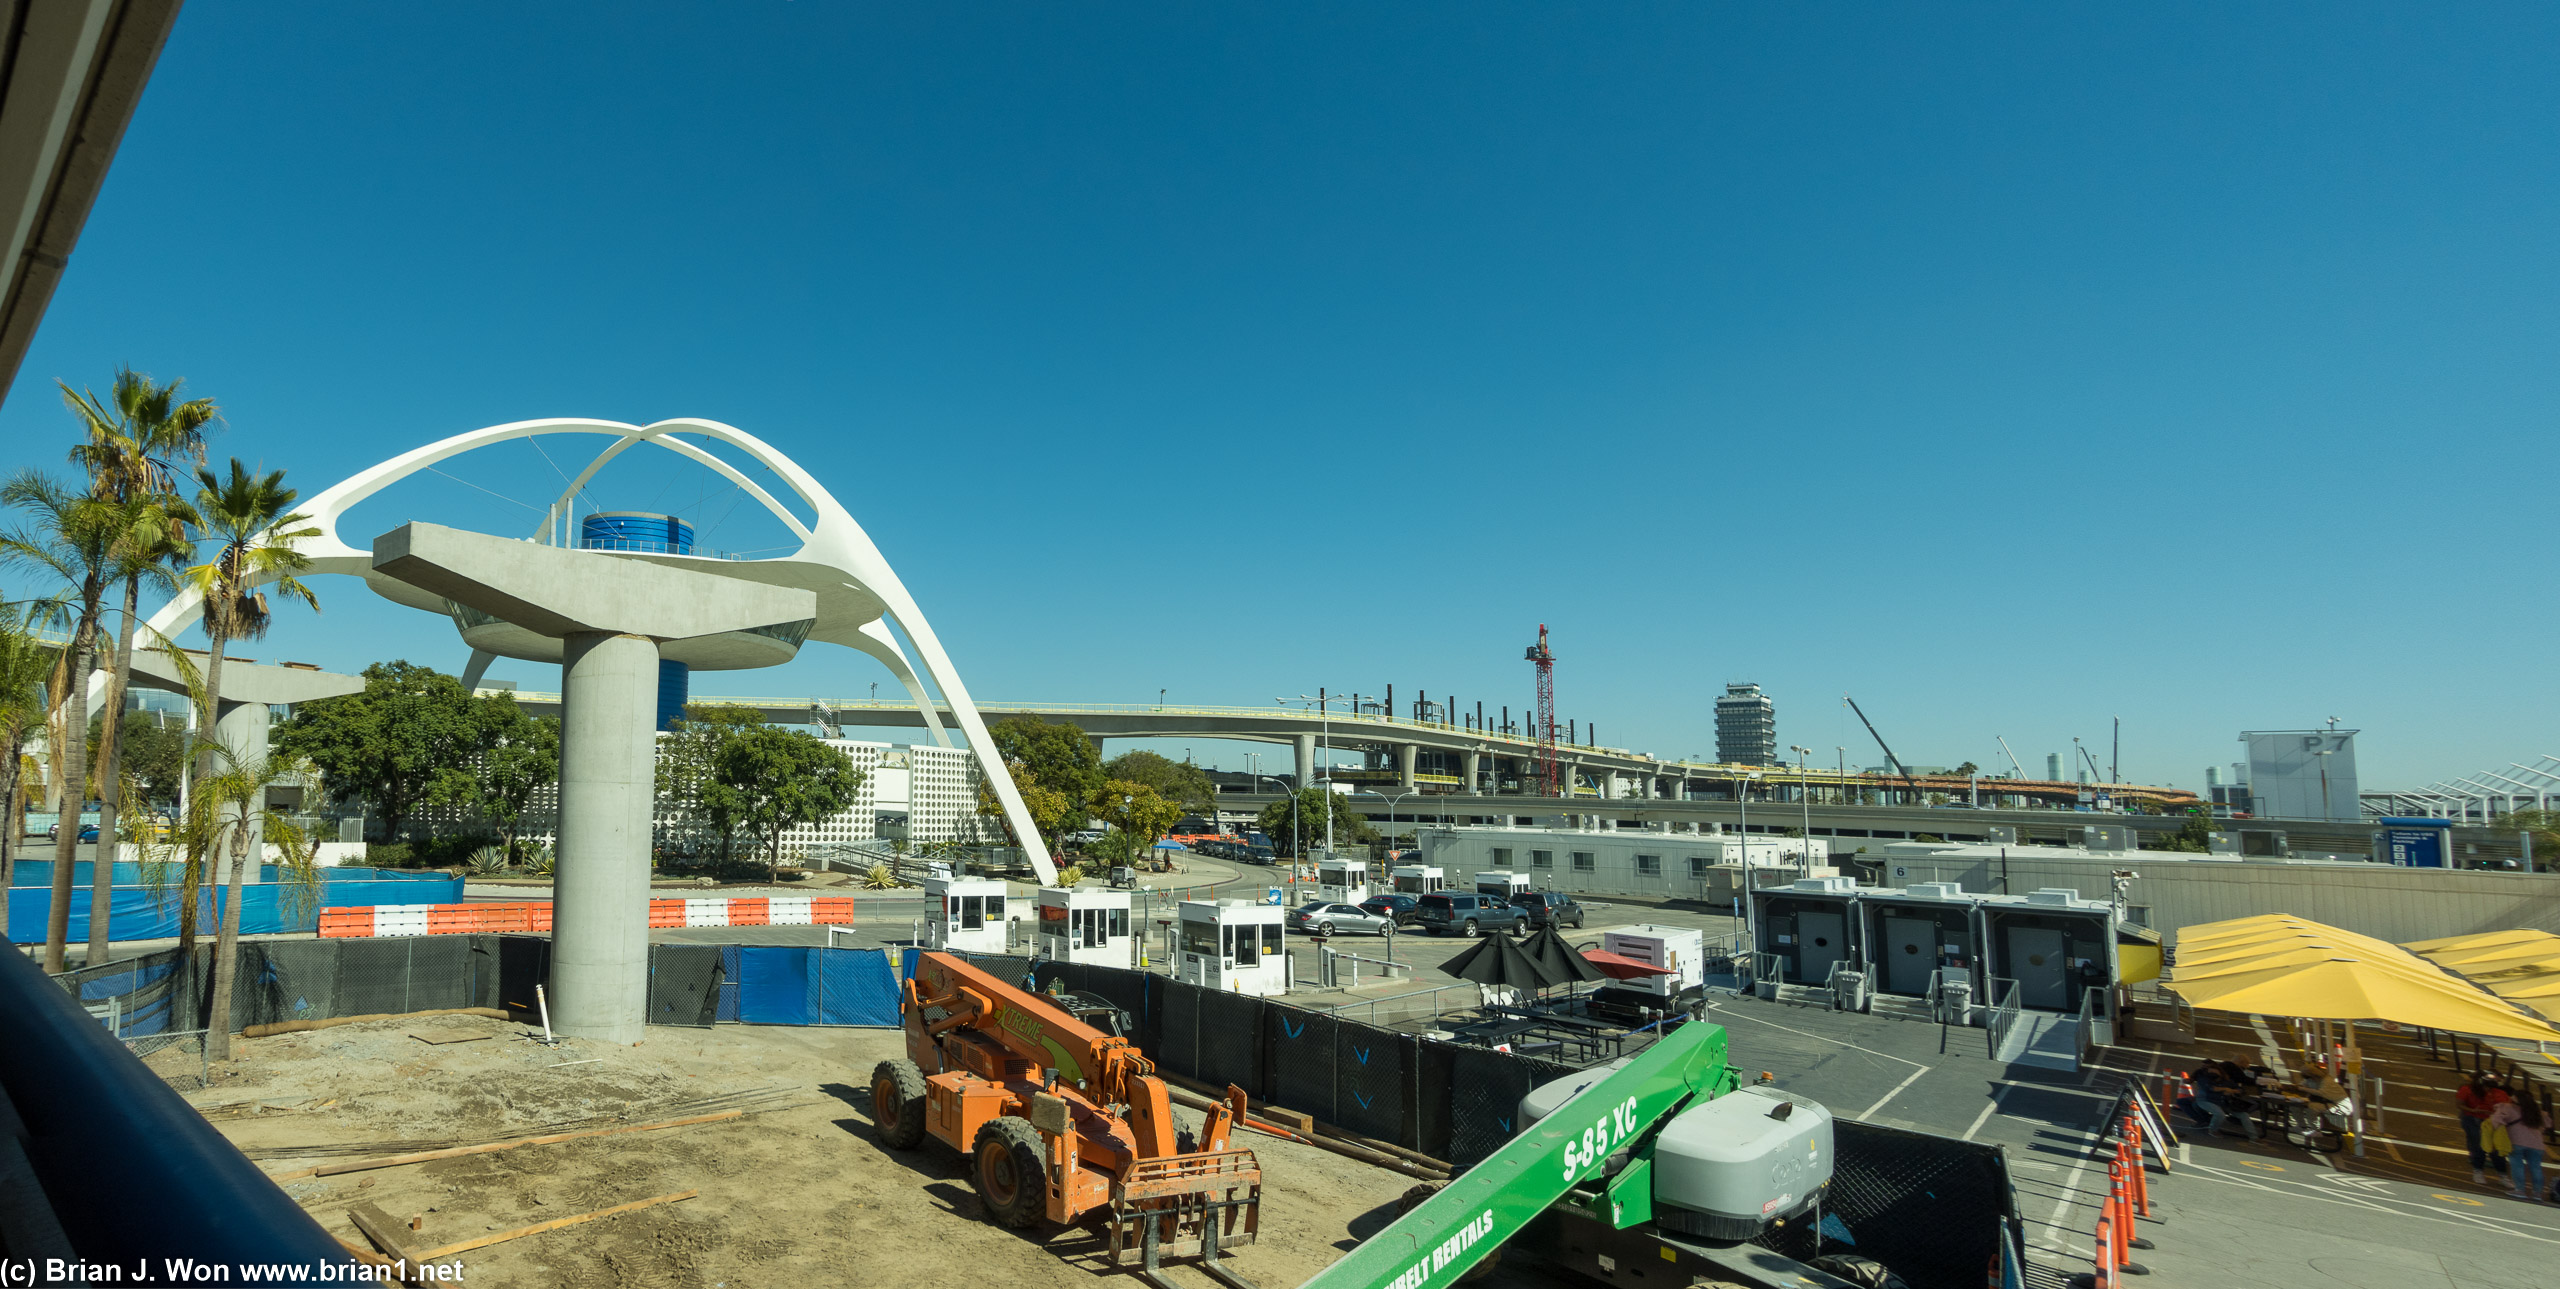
(1467, 914)
(1548, 908)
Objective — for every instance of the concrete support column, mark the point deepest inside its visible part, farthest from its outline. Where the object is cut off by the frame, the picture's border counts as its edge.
(1306, 760)
(1404, 764)
(608, 782)
(241, 728)
(1474, 764)
(1609, 788)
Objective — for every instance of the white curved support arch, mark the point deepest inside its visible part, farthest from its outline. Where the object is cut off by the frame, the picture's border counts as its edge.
(837, 559)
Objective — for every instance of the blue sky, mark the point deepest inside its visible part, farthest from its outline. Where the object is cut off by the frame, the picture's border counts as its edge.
(2010, 367)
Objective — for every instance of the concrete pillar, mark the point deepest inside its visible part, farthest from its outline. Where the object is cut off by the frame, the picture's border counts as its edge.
(1404, 764)
(1474, 764)
(242, 728)
(1610, 789)
(1306, 759)
(608, 782)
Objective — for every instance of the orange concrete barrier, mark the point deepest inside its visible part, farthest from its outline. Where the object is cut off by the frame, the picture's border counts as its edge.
(747, 912)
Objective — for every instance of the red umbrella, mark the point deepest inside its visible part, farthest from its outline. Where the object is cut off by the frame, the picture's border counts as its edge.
(1618, 966)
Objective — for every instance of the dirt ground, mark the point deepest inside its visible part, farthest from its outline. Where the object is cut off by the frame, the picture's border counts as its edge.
(798, 1192)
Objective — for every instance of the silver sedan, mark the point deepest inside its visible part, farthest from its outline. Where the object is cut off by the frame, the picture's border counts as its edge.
(1336, 919)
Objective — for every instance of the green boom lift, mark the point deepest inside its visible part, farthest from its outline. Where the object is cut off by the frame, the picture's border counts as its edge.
(1595, 1155)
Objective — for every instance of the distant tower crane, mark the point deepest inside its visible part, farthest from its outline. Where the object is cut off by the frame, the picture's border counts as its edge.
(2013, 757)
(1545, 720)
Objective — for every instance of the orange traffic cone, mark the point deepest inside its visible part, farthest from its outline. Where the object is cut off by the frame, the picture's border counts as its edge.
(2127, 1238)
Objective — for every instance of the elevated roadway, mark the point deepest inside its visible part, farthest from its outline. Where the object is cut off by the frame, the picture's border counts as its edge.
(1405, 752)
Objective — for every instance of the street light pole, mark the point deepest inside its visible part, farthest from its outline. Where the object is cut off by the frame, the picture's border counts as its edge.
(1804, 796)
(1750, 922)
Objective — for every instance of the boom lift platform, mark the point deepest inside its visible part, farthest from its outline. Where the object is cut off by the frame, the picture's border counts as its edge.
(1062, 1122)
(1662, 1152)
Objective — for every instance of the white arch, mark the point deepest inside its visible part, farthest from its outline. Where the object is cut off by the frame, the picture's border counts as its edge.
(837, 559)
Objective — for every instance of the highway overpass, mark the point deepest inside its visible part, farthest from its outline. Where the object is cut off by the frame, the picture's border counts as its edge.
(1403, 755)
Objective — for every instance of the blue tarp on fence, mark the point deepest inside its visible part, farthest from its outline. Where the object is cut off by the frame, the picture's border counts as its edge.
(791, 985)
(39, 872)
(136, 913)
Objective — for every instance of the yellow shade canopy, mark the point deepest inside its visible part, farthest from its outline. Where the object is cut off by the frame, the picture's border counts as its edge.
(2299, 956)
(2354, 989)
(2476, 940)
(2524, 957)
(2344, 942)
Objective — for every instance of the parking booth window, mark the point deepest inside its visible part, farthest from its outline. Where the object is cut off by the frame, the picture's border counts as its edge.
(1542, 859)
(1200, 938)
(1584, 861)
(1649, 865)
(1119, 921)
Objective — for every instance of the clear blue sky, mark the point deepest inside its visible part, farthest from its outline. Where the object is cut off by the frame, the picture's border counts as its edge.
(2011, 368)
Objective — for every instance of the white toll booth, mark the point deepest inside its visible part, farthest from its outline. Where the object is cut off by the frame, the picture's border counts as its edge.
(1681, 952)
(1502, 886)
(1416, 879)
(1234, 945)
(968, 914)
(1086, 926)
(1342, 881)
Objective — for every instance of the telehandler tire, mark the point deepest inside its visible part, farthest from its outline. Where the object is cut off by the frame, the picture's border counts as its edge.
(897, 1104)
(1011, 1171)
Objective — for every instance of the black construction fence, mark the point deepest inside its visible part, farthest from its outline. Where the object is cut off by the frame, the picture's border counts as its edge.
(1447, 1100)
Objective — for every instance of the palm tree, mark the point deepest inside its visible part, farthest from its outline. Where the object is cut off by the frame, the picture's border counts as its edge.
(253, 526)
(73, 539)
(24, 660)
(129, 451)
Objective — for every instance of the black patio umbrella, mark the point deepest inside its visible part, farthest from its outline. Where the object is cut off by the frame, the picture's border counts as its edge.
(1497, 961)
(1558, 959)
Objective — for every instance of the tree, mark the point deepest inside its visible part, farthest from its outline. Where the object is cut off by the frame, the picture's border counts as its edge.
(781, 777)
(152, 755)
(2545, 827)
(521, 757)
(1278, 821)
(1059, 758)
(1185, 785)
(73, 539)
(226, 811)
(23, 664)
(2193, 837)
(1136, 809)
(1966, 770)
(1049, 808)
(253, 526)
(689, 779)
(129, 452)
(409, 740)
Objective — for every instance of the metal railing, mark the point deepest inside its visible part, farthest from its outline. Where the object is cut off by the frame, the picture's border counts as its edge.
(2093, 1010)
(2005, 1006)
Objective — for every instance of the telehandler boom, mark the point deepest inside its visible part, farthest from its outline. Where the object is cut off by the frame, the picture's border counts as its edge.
(1059, 1120)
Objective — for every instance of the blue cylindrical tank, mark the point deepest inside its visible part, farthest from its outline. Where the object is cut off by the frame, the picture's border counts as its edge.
(640, 530)
(675, 684)
(635, 530)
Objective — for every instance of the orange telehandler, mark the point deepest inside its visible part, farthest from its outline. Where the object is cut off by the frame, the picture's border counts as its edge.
(1061, 1121)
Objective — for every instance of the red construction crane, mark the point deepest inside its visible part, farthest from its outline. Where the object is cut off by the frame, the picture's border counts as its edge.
(1545, 721)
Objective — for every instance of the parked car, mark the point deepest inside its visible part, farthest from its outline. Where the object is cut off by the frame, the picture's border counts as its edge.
(88, 832)
(1467, 914)
(1392, 905)
(1336, 919)
(1549, 908)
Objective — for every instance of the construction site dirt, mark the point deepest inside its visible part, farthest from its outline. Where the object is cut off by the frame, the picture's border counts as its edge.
(795, 1189)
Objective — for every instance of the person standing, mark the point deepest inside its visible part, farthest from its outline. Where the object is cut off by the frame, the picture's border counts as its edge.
(2522, 1118)
(2476, 1100)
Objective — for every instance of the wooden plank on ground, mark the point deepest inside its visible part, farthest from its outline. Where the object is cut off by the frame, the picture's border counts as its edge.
(423, 1156)
(554, 1225)
(443, 1039)
(388, 1233)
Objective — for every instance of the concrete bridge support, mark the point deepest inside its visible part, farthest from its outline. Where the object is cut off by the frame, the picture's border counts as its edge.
(1306, 759)
(1405, 753)
(1474, 762)
(611, 616)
